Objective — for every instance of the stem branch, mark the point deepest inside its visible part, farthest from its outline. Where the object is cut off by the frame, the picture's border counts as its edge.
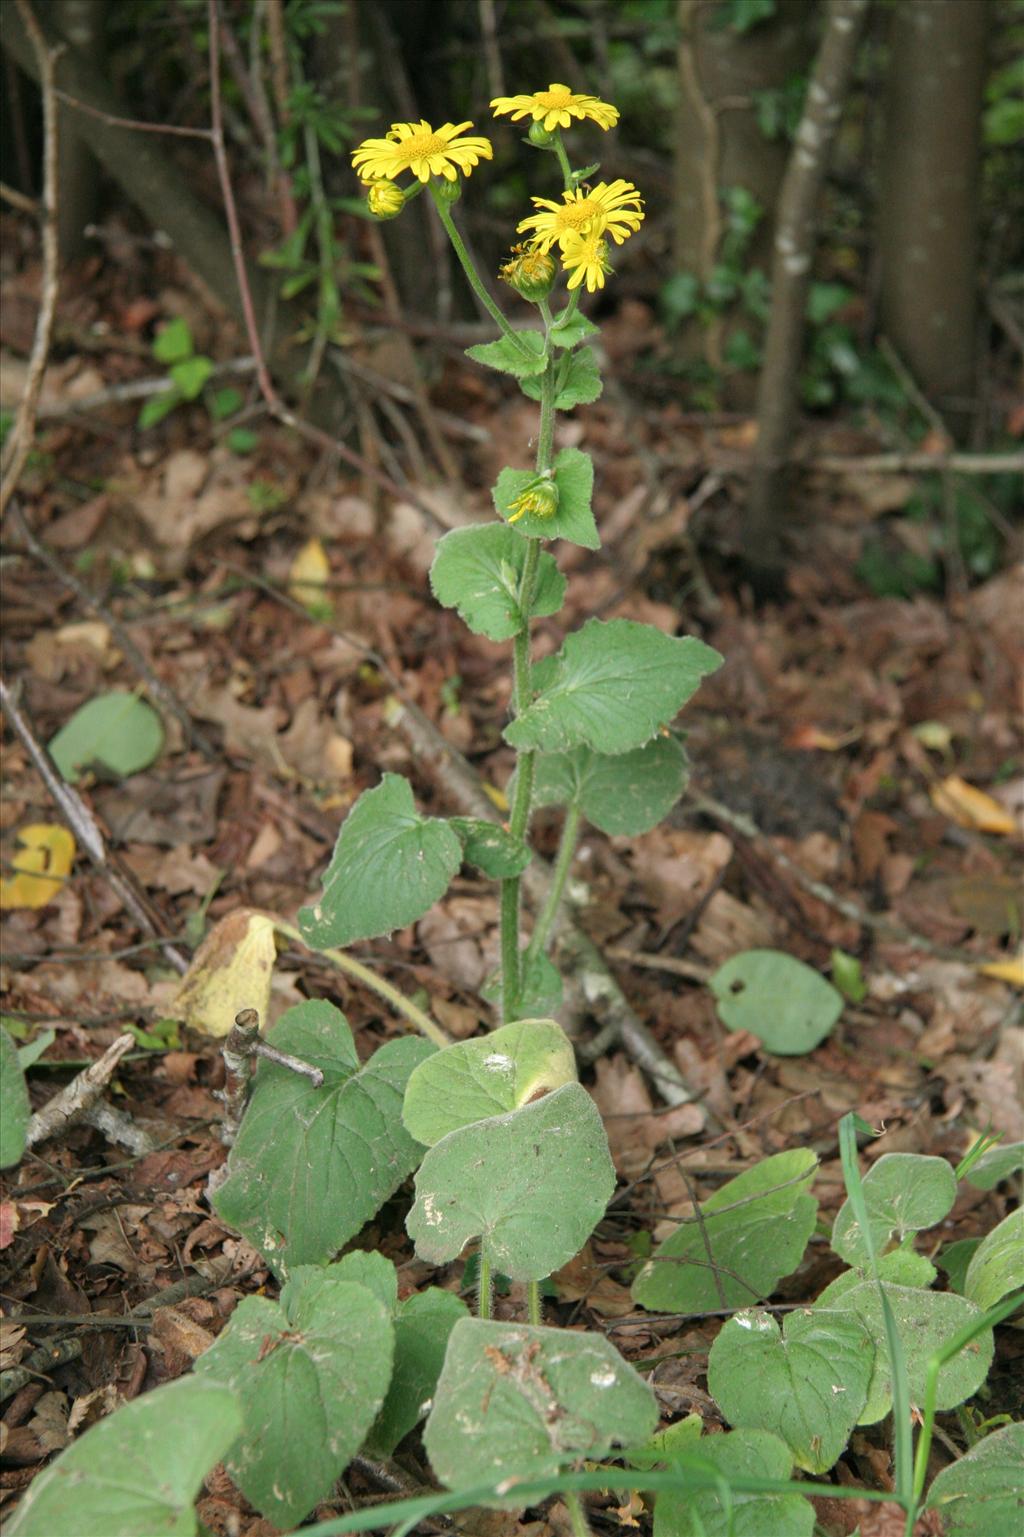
(563, 863)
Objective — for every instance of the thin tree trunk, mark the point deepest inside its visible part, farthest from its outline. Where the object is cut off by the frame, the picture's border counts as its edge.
(795, 237)
(928, 213)
(82, 23)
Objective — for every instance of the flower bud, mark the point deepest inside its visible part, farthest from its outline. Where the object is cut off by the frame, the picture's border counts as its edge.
(448, 191)
(530, 273)
(538, 498)
(540, 137)
(384, 200)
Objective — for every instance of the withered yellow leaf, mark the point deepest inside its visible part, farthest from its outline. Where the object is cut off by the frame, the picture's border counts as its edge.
(230, 971)
(969, 807)
(1006, 971)
(43, 863)
(310, 571)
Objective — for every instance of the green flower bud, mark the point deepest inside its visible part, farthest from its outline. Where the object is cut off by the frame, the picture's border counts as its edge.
(538, 498)
(530, 273)
(540, 137)
(448, 191)
(384, 200)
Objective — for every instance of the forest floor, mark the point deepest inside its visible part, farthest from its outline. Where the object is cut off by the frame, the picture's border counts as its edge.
(834, 725)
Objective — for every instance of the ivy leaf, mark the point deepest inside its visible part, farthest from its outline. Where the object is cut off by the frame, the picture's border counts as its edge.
(615, 684)
(311, 1372)
(571, 330)
(15, 1109)
(751, 1233)
(477, 570)
(573, 519)
(978, 1496)
(389, 866)
(806, 1383)
(904, 1193)
(531, 1185)
(489, 1075)
(311, 1165)
(136, 1472)
(626, 794)
(521, 1400)
(787, 1005)
(491, 848)
(737, 1454)
(508, 357)
(581, 386)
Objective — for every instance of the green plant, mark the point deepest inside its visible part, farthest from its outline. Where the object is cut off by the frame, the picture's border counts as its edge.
(507, 1148)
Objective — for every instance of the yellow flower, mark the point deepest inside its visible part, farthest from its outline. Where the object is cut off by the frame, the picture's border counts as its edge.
(556, 107)
(384, 200)
(539, 497)
(612, 208)
(586, 257)
(423, 150)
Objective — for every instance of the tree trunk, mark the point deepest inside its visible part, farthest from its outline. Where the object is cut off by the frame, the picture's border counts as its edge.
(795, 237)
(928, 215)
(81, 22)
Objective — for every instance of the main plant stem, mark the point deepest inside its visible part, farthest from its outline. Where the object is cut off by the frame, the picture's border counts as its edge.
(468, 268)
(522, 695)
(574, 1505)
(484, 1290)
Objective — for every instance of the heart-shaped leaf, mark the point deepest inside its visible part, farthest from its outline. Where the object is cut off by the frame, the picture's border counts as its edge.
(573, 519)
(737, 1454)
(980, 1495)
(615, 684)
(118, 732)
(519, 1400)
(787, 1005)
(751, 1233)
(627, 794)
(423, 1323)
(807, 1382)
(311, 1165)
(580, 385)
(137, 1472)
(904, 1193)
(521, 356)
(486, 1076)
(389, 866)
(997, 1266)
(531, 1185)
(15, 1109)
(478, 570)
(925, 1321)
(311, 1373)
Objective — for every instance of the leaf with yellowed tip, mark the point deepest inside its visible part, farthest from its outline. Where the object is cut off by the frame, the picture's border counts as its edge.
(230, 971)
(41, 866)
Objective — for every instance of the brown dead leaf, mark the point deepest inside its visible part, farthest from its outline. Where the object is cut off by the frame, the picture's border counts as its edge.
(152, 808)
(584, 1280)
(94, 1406)
(728, 925)
(173, 1331)
(459, 938)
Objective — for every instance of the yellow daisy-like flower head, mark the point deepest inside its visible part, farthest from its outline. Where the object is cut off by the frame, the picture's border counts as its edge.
(586, 258)
(423, 150)
(556, 107)
(611, 208)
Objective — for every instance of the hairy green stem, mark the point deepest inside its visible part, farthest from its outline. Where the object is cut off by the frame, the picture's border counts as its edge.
(397, 1000)
(467, 266)
(559, 875)
(533, 1301)
(574, 1506)
(484, 1290)
(563, 161)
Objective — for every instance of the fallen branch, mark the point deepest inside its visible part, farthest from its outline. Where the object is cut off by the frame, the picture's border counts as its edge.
(918, 463)
(77, 1097)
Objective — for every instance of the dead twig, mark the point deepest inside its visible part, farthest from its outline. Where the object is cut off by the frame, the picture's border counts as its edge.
(67, 1107)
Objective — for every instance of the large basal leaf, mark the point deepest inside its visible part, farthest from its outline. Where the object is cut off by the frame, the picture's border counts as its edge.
(753, 1231)
(904, 1193)
(997, 1266)
(137, 1472)
(389, 866)
(489, 1075)
(615, 684)
(423, 1323)
(477, 570)
(737, 1454)
(807, 1382)
(789, 1007)
(516, 1400)
(531, 1185)
(982, 1495)
(523, 356)
(624, 795)
(925, 1321)
(115, 731)
(311, 1165)
(573, 519)
(311, 1373)
(15, 1109)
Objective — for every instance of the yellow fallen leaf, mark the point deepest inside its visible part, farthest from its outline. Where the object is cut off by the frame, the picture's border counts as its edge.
(499, 797)
(1006, 971)
(310, 571)
(230, 971)
(969, 807)
(43, 864)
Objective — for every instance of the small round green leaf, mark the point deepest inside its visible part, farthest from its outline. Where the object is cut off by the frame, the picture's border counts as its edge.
(997, 1267)
(478, 570)
(737, 1454)
(489, 1075)
(807, 1382)
(173, 342)
(531, 1185)
(752, 1232)
(573, 520)
(15, 1109)
(982, 1495)
(519, 1400)
(789, 1007)
(117, 732)
(311, 1373)
(137, 1472)
(904, 1193)
(389, 866)
(491, 848)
